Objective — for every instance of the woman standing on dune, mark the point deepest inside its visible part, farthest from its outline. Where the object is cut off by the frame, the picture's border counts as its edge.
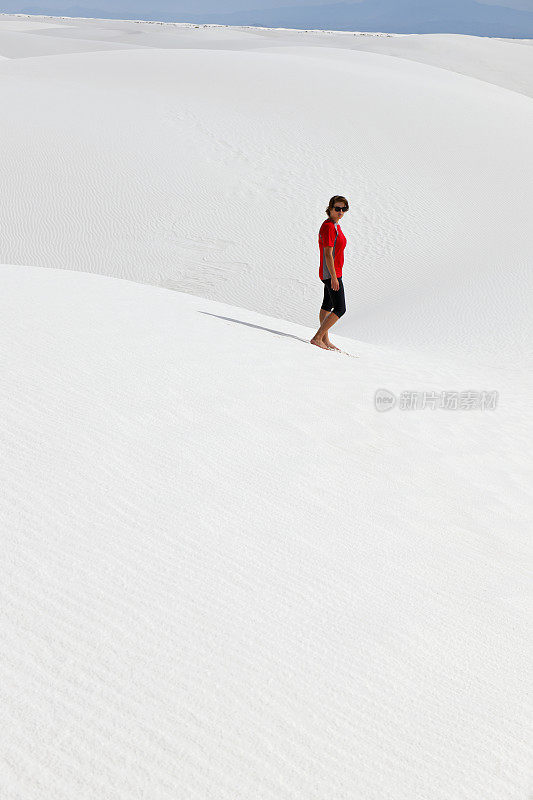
(331, 242)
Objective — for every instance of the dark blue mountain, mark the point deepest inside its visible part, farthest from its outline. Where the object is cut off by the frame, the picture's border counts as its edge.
(391, 16)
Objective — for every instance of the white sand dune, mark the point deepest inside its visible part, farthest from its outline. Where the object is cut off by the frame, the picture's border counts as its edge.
(137, 163)
(212, 588)
(226, 574)
(496, 61)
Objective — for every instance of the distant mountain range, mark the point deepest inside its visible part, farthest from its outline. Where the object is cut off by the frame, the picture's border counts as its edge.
(391, 16)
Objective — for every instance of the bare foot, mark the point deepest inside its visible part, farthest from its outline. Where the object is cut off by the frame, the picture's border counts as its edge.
(330, 345)
(319, 343)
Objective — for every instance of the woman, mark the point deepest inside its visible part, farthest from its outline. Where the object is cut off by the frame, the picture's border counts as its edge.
(331, 241)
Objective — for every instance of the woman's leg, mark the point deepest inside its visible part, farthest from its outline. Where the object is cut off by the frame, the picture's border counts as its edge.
(327, 318)
(325, 309)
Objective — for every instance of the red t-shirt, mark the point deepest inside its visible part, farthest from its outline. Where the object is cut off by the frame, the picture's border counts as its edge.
(330, 235)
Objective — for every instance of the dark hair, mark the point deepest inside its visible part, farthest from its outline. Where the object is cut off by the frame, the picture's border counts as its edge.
(338, 198)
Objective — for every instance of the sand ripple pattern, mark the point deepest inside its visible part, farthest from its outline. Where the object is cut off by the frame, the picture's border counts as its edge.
(189, 608)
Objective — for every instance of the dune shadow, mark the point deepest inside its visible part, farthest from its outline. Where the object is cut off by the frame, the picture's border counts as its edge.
(261, 327)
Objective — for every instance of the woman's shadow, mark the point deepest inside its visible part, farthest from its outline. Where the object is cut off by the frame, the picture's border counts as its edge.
(260, 327)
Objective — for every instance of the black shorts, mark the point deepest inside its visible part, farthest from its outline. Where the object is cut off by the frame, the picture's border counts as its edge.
(333, 301)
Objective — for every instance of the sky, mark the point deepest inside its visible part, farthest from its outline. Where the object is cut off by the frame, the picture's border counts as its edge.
(488, 18)
(196, 6)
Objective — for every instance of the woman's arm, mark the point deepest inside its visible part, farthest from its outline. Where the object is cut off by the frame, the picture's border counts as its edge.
(328, 255)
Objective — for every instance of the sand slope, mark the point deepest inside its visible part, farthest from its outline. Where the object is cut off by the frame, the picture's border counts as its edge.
(214, 589)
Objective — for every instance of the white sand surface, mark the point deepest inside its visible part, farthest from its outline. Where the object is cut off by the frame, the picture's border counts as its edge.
(226, 574)
(214, 588)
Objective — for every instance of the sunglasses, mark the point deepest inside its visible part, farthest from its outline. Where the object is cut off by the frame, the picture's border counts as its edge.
(340, 208)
